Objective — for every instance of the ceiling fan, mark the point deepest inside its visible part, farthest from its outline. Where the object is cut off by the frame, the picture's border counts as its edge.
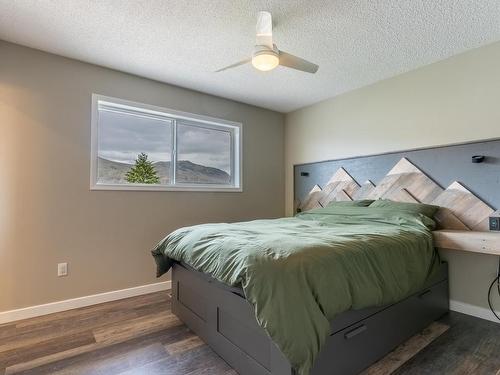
(266, 56)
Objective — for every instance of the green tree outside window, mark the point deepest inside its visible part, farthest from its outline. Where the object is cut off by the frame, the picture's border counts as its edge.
(143, 172)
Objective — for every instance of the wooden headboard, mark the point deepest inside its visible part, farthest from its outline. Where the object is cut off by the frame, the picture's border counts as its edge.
(461, 209)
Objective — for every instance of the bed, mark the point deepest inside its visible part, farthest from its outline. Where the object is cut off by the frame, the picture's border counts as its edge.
(332, 288)
(224, 316)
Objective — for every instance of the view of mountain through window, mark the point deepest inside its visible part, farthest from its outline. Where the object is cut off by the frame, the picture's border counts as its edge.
(203, 155)
(135, 148)
(122, 138)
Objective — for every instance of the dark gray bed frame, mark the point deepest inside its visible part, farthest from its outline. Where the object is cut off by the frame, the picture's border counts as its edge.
(225, 320)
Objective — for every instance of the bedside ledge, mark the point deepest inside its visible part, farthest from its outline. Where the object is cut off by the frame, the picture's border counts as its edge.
(472, 241)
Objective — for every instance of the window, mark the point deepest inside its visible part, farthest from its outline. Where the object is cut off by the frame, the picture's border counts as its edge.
(141, 147)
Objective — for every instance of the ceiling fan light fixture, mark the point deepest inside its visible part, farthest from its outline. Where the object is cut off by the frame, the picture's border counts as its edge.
(265, 60)
(266, 56)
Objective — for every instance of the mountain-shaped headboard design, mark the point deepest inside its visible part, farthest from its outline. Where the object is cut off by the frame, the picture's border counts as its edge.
(405, 182)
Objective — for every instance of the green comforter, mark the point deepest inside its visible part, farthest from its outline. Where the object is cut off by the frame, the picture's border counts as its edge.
(301, 272)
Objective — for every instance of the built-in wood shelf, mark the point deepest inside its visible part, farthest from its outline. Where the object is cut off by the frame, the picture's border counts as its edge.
(477, 242)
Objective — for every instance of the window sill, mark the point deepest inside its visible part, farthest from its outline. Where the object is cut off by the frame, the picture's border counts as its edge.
(139, 187)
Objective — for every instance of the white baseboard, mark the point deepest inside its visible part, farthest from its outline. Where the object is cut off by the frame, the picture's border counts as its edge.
(478, 312)
(74, 303)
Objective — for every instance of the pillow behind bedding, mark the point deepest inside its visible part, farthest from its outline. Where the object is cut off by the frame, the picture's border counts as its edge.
(418, 208)
(359, 203)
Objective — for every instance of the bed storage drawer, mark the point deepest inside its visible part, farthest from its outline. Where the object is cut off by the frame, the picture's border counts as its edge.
(361, 344)
(192, 300)
(250, 339)
(350, 317)
(226, 322)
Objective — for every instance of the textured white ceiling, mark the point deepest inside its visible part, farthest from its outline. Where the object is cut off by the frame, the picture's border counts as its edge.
(182, 42)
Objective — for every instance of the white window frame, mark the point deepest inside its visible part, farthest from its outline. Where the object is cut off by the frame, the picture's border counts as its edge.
(235, 129)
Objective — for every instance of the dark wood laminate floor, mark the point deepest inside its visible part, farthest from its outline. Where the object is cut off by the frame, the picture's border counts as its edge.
(141, 336)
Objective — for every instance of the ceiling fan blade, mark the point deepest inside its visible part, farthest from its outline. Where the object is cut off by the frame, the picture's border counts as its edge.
(264, 30)
(243, 62)
(294, 62)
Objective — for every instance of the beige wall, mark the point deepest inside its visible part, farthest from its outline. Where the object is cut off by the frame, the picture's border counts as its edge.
(451, 101)
(49, 215)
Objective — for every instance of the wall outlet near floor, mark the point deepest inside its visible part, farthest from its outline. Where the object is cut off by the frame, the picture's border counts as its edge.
(62, 269)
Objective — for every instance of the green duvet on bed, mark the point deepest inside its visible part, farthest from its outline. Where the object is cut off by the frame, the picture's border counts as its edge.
(301, 272)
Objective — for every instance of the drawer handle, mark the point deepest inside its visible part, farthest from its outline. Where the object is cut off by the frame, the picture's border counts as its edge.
(356, 331)
(423, 294)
